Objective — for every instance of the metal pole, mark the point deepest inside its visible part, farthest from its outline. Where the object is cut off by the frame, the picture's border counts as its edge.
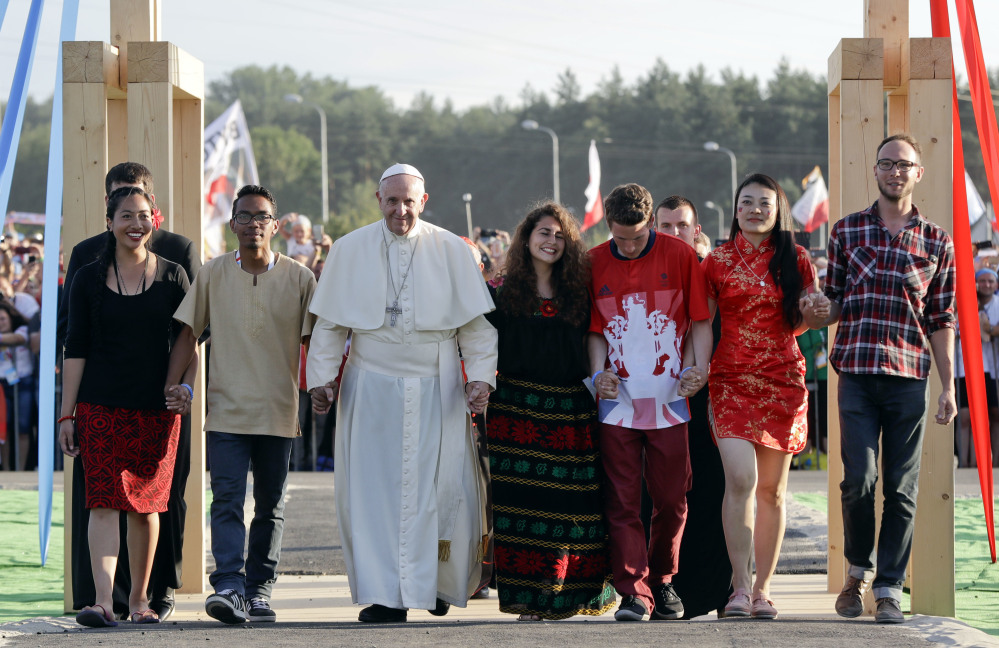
(323, 152)
(554, 160)
(735, 181)
(468, 212)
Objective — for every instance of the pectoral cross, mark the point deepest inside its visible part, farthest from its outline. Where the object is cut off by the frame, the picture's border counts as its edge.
(395, 311)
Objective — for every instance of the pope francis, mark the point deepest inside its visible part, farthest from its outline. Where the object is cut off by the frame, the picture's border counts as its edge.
(408, 492)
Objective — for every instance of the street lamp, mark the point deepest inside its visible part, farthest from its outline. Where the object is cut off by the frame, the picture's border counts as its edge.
(713, 146)
(468, 212)
(530, 124)
(298, 99)
(721, 217)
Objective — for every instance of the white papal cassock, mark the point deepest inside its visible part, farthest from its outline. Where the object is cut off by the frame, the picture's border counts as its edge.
(408, 494)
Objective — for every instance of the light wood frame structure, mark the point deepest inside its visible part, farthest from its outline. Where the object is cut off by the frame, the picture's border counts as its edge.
(888, 83)
(137, 99)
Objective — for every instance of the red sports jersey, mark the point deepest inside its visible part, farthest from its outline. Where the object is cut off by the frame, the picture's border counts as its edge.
(643, 307)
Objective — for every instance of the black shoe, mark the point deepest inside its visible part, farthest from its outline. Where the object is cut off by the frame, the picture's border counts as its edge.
(667, 604)
(631, 609)
(258, 609)
(228, 606)
(442, 608)
(381, 614)
(163, 604)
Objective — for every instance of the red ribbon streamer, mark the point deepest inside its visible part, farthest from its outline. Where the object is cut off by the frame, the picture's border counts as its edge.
(967, 300)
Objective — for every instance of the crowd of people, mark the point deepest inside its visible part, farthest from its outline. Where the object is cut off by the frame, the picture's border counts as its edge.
(640, 402)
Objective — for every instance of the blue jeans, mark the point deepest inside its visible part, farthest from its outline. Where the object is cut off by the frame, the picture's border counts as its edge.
(894, 409)
(232, 456)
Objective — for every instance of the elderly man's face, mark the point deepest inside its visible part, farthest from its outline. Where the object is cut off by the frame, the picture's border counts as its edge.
(401, 199)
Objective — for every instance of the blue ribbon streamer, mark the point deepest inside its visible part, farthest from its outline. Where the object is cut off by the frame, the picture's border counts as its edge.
(10, 133)
(50, 292)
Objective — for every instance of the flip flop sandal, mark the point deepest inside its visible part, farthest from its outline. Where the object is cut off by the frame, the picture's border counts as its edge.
(145, 616)
(91, 618)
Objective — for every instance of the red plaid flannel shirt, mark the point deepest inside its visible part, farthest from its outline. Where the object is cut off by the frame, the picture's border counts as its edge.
(895, 293)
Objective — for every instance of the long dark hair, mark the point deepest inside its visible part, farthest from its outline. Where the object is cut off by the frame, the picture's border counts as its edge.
(106, 257)
(784, 264)
(570, 273)
(16, 319)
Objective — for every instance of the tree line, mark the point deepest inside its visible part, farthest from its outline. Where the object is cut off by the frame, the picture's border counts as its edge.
(651, 131)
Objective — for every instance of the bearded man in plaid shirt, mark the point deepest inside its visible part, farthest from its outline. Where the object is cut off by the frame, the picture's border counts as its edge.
(891, 286)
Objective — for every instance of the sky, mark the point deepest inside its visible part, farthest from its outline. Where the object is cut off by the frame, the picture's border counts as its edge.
(472, 51)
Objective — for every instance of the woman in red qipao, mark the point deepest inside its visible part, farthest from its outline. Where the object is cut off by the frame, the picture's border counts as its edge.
(758, 398)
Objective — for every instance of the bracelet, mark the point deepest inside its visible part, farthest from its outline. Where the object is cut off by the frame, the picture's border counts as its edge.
(593, 379)
(190, 391)
(684, 371)
(66, 418)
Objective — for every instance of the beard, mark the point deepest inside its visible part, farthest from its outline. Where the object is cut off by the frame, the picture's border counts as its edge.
(883, 189)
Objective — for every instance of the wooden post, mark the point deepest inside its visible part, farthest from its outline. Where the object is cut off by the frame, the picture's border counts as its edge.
(931, 571)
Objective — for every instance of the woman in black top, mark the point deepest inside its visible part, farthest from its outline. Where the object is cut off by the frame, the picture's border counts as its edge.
(550, 536)
(117, 350)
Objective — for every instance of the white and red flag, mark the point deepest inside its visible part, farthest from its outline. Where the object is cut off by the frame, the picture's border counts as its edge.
(229, 164)
(812, 209)
(594, 201)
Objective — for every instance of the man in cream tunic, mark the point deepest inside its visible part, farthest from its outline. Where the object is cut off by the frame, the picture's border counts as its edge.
(407, 489)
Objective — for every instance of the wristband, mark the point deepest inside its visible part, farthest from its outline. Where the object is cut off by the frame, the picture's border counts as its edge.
(190, 391)
(66, 418)
(684, 371)
(593, 379)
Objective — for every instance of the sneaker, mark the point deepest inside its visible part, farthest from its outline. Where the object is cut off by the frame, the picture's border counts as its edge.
(888, 611)
(631, 609)
(667, 604)
(850, 602)
(258, 609)
(228, 606)
(763, 607)
(739, 604)
(481, 594)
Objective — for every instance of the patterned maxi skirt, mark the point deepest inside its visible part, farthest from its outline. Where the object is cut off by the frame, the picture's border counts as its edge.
(128, 456)
(551, 539)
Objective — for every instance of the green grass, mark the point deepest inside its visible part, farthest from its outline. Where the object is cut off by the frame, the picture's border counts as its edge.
(976, 581)
(29, 590)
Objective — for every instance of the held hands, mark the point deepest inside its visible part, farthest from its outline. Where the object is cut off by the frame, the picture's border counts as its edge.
(323, 397)
(814, 309)
(178, 399)
(477, 396)
(691, 381)
(606, 382)
(67, 438)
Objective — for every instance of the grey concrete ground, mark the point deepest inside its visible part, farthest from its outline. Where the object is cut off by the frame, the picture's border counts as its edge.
(313, 601)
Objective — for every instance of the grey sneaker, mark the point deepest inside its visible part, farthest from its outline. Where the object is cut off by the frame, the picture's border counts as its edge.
(258, 609)
(888, 611)
(228, 606)
(631, 609)
(667, 604)
(850, 602)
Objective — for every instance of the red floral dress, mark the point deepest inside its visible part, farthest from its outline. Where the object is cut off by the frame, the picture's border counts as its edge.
(756, 381)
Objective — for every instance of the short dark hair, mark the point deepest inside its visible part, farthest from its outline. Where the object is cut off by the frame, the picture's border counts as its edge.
(628, 204)
(676, 202)
(130, 173)
(255, 190)
(903, 137)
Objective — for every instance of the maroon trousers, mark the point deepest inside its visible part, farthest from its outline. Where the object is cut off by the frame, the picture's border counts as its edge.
(637, 567)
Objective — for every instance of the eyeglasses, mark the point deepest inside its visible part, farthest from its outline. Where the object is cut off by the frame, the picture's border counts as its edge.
(244, 218)
(903, 165)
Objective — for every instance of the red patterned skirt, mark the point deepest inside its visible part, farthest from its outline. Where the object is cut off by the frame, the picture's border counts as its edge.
(128, 456)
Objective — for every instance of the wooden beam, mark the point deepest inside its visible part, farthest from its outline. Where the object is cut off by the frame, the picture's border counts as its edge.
(164, 62)
(131, 21)
(188, 159)
(858, 59)
(150, 118)
(889, 21)
(932, 571)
